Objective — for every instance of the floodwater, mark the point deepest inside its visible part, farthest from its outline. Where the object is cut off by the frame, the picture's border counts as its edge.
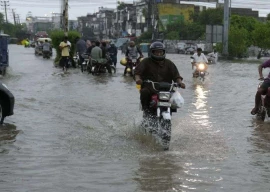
(78, 132)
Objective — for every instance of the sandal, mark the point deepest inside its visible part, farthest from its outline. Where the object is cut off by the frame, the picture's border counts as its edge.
(254, 111)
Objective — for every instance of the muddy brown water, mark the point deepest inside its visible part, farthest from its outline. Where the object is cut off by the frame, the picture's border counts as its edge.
(77, 132)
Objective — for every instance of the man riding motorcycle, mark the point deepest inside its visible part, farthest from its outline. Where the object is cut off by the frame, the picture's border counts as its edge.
(132, 53)
(46, 48)
(197, 58)
(96, 54)
(158, 69)
(263, 88)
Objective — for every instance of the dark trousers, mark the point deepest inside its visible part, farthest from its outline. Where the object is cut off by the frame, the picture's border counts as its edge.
(145, 97)
(114, 60)
(81, 60)
(64, 61)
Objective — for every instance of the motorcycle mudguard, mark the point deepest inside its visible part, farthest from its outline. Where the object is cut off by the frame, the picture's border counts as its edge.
(166, 115)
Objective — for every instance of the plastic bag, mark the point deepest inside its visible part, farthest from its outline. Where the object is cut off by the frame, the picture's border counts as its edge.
(177, 100)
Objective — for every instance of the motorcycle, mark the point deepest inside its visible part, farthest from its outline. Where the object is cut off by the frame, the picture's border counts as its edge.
(131, 65)
(86, 66)
(96, 67)
(46, 54)
(264, 107)
(200, 71)
(160, 111)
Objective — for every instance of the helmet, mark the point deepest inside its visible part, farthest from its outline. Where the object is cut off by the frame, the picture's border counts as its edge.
(131, 43)
(123, 61)
(157, 46)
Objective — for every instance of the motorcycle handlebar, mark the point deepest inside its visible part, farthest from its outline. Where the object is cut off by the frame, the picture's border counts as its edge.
(153, 84)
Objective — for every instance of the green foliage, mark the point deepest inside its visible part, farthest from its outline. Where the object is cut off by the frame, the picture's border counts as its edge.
(173, 35)
(121, 5)
(58, 36)
(261, 35)
(268, 17)
(145, 37)
(237, 42)
(210, 17)
(244, 22)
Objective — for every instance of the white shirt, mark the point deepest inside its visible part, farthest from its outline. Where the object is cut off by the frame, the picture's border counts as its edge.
(201, 58)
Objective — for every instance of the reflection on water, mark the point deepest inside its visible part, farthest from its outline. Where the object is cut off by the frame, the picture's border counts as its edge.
(201, 112)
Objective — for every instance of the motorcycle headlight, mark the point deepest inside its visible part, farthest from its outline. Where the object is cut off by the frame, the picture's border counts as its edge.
(201, 66)
(164, 95)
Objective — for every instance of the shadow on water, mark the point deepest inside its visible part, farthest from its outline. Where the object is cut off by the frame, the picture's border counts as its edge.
(261, 135)
(158, 173)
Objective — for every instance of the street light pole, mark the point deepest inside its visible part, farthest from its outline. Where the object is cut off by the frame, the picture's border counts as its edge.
(65, 16)
(226, 28)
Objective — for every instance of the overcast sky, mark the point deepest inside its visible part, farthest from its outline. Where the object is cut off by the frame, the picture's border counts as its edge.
(82, 7)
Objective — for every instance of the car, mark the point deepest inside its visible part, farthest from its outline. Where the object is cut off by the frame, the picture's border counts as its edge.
(7, 101)
(181, 47)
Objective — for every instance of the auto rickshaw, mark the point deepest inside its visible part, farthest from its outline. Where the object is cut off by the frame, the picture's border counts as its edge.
(4, 56)
(38, 47)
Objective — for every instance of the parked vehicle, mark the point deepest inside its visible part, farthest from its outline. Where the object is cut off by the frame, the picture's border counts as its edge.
(6, 102)
(4, 53)
(181, 48)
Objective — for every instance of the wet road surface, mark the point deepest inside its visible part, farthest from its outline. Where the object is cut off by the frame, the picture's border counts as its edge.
(78, 132)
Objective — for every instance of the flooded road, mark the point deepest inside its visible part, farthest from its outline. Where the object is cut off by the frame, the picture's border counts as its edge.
(78, 132)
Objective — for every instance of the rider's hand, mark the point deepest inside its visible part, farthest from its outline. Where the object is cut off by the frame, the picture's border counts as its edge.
(139, 82)
(182, 85)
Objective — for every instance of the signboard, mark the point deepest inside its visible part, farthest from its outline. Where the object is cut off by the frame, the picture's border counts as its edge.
(171, 13)
(214, 33)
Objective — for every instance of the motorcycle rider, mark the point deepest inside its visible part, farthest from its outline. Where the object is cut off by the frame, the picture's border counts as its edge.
(113, 53)
(132, 53)
(46, 47)
(198, 57)
(96, 54)
(81, 49)
(213, 56)
(158, 69)
(263, 88)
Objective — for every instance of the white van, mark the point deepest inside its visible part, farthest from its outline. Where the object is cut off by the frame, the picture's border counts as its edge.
(181, 47)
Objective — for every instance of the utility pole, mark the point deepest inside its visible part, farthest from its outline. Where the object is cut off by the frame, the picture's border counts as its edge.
(14, 17)
(18, 19)
(65, 17)
(5, 7)
(226, 28)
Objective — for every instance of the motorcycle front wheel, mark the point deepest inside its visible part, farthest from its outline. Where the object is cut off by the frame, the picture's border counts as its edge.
(165, 133)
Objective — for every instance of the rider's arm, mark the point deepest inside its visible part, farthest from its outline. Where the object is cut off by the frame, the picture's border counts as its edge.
(205, 59)
(260, 67)
(138, 72)
(139, 51)
(127, 52)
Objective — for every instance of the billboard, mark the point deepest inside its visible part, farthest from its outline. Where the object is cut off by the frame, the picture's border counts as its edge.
(170, 13)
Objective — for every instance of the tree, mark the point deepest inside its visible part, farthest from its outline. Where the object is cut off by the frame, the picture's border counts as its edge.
(261, 36)
(210, 17)
(237, 42)
(268, 17)
(244, 22)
